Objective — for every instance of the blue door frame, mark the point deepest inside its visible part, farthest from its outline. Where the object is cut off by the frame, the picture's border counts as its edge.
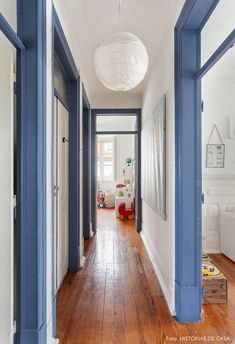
(63, 53)
(116, 112)
(31, 173)
(86, 164)
(188, 74)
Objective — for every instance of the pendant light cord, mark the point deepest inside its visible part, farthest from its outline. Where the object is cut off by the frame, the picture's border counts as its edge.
(119, 10)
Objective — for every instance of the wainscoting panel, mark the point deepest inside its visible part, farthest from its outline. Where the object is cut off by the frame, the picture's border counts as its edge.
(219, 195)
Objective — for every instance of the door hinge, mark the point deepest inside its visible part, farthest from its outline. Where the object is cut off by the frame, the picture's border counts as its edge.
(203, 198)
(15, 87)
(14, 207)
(202, 106)
(14, 213)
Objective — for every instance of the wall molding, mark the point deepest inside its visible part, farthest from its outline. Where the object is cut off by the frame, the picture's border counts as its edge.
(229, 177)
(168, 291)
(218, 81)
(219, 194)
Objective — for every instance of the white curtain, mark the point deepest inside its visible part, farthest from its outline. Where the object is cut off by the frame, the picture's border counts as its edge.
(154, 160)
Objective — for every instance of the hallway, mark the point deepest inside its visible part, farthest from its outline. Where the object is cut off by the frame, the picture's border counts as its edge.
(116, 297)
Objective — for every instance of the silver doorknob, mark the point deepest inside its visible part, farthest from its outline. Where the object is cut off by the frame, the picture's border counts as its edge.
(56, 189)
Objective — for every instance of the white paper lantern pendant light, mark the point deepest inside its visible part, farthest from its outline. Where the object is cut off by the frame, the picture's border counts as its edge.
(121, 62)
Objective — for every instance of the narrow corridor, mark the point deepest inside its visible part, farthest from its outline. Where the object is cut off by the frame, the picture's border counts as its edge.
(116, 297)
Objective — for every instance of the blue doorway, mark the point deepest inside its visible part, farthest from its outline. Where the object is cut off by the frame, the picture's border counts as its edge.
(188, 194)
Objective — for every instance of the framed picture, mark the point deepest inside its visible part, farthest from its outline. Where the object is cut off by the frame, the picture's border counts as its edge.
(154, 160)
(215, 155)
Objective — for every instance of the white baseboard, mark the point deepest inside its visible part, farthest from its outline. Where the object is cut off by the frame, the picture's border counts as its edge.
(165, 289)
(82, 262)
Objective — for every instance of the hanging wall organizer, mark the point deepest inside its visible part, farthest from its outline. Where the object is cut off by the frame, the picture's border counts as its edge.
(215, 153)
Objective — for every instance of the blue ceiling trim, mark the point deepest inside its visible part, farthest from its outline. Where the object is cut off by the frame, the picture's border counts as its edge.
(10, 33)
(117, 132)
(117, 112)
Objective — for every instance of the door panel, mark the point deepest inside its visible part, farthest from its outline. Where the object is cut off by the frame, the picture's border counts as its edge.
(62, 188)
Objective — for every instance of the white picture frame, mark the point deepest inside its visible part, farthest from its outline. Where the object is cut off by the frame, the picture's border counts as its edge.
(215, 155)
(154, 160)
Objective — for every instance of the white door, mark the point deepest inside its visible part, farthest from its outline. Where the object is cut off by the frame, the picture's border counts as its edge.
(6, 194)
(61, 190)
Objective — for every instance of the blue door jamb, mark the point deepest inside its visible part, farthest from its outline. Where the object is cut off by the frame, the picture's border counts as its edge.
(86, 115)
(94, 133)
(63, 53)
(31, 174)
(188, 279)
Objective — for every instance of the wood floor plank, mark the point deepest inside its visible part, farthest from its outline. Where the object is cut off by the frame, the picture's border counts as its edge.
(116, 298)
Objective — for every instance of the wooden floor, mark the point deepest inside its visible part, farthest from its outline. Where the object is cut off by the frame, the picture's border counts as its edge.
(116, 297)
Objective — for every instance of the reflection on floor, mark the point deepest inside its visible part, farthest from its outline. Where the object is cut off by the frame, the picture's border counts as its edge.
(116, 297)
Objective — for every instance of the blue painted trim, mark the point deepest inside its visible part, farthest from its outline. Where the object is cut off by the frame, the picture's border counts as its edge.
(119, 112)
(86, 164)
(53, 265)
(188, 250)
(188, 186)
(197, 17)
(61, 45)
(138, 215)
(74, 177)
(64, 55)
(117, 132)
(10, 34)
(20, 49)
(209, 13)
(227, 44)
(86, 101)
(93, 172)
(31, 186)
(115, 112)
(61, 99)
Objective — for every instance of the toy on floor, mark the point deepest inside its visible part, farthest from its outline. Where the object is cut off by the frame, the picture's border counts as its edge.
(125, 212)
(109, 199)
(100, 199)
(210, 271)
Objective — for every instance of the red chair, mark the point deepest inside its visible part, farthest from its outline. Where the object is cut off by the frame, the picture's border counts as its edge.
(125, 212)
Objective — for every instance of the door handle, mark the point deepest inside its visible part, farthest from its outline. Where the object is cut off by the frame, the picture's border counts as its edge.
(56, 189)
(65, 140)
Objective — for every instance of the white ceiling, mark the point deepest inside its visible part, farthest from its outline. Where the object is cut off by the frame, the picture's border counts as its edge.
(93, 20)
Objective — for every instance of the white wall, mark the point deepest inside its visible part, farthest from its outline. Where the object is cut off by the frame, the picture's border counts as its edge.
(116, 100)
(219, 106)
(6, 194)
(218, 183)
(159, 235)
(124, 148)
